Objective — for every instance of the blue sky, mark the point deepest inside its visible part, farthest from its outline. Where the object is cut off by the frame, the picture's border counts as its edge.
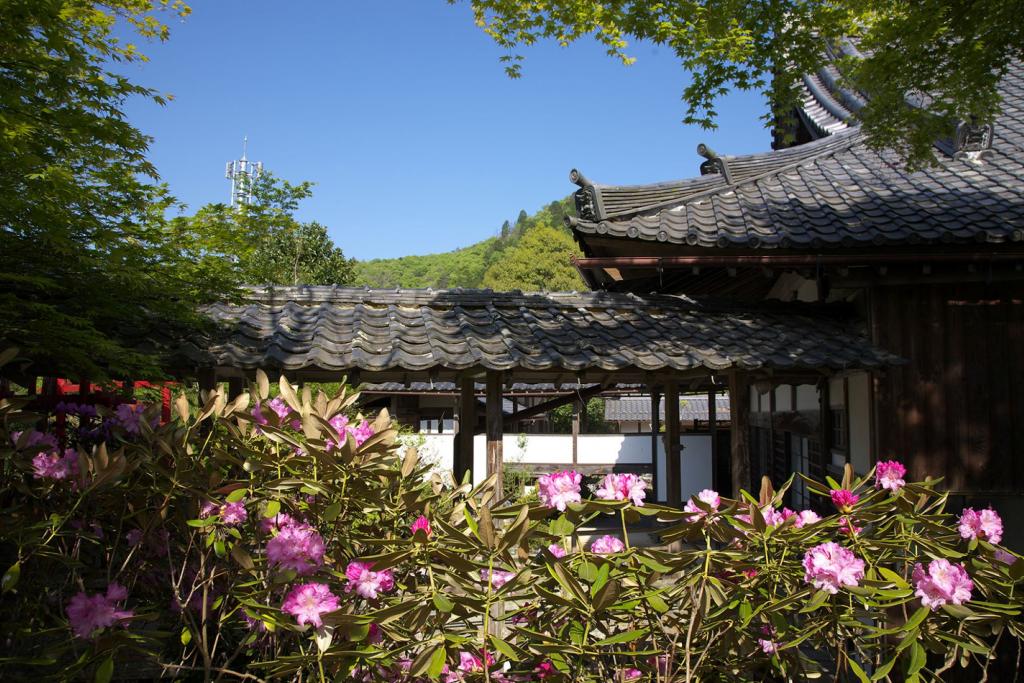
(401, 114)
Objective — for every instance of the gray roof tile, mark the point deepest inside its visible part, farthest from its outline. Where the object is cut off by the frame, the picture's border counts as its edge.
(832, 192)
(340, 329)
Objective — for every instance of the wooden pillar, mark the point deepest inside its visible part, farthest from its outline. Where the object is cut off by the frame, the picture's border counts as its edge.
(235, 386)
(495, 429)
(575, 431)
(825, 411)
(772, 456)
(739, 409)
(673, 461)
(713, 431)
(207, 383)
(467, 427)
(655, 430)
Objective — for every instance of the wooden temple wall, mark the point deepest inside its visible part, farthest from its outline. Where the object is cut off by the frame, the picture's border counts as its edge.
(956, 410)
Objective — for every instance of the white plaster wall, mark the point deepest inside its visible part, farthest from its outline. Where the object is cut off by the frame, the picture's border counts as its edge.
(594, 449)
(860, 422)
(806, 397)
(783, 402)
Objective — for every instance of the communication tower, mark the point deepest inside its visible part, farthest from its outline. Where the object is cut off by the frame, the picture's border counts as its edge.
(243, 174)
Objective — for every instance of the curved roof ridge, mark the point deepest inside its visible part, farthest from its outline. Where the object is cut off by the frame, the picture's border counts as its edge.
(737, 170)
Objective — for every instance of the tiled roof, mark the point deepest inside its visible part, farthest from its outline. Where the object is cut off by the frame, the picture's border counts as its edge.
(832, 192)
(638, 409)
(338, 329)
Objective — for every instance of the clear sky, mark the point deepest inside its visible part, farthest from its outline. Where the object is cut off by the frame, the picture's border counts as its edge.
(401, 114)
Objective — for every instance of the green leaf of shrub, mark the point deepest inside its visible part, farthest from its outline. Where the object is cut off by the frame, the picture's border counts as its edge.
(624, 637)
(105, 671)
(10, 577)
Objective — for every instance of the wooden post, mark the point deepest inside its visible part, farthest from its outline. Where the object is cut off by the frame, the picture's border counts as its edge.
(713, 431)
(235, 386)
(673, 461)
(467, 427)
(495, 428)
(739, 409)
(655, 431)
(575, 431)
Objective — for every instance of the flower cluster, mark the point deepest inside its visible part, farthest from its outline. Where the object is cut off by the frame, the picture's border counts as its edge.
(626, 486)
(499, 577)
(985, 525)
(830, 566)
(51, 465)
(307, 601)
(942, 582)
(710, 498)
(359, 433)
(844, 499)
(607, 545)
(421, 524)
(298, 548)
(558, 489)
(366, 582)
(889, 475)
(87, 614)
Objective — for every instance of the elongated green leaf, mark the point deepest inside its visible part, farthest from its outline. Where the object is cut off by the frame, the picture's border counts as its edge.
(105, 671)
(624, 637)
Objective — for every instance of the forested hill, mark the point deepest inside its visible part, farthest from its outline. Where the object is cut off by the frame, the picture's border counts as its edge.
(531, 253)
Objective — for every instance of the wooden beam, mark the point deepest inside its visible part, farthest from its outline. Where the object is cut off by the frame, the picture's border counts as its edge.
(495, 429)
(739, 408)
(467, 428)
(583, 395)
(655, 433)
(575, 431)
(673, 461)
(713, 431)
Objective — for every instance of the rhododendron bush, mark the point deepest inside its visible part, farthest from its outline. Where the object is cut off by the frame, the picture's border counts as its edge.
(290, 538)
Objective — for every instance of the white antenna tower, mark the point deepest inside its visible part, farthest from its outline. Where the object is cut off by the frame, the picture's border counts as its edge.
(243, 174)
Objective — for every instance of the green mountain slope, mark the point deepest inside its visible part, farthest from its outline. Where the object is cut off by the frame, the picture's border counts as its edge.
(530, 254)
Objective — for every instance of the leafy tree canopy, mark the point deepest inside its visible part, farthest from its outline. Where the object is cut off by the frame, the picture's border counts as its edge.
(86, 258)
(953, 51)
(540, 261)
(267, 244)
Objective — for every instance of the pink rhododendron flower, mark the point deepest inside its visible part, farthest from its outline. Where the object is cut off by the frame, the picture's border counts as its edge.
(830, 566)
(88, 614)
(709, 498)
(768, 644)
(339, 423)
(280, 408)
(421, 523)
(632, 674)
(545, 670)
(607, 545)
(133, 537)
(374, 635)
(985, 525)
(802, 518)
(208, 508)
(50, 465)
(308, 601)
(626, 486)
(556, 550)
(558, 489)
(844, 499)
(848, 528)
(499, 577)
(889, 475)
(277, 522)
(942, 582)
(362, 432)
(771, 516)
(470, 663)
(298, 548)
(36, 438)
(366, 582)
(233, 514)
